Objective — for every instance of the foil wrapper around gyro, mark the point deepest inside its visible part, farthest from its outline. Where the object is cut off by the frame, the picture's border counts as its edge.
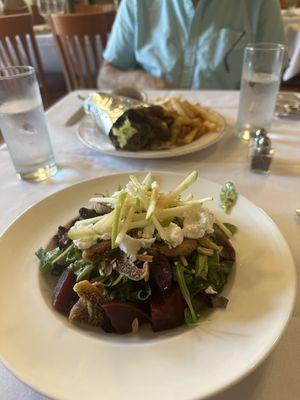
(129, 123)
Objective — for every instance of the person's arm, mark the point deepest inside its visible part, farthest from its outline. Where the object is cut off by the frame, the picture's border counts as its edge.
(111, 77)
(120, 67)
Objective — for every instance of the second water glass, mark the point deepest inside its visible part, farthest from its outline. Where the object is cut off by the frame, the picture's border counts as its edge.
(260, 84)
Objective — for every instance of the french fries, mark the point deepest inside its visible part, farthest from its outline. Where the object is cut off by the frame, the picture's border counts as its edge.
(190, 120)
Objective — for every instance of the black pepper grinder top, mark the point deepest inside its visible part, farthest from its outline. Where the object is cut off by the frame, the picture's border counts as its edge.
(261, 152)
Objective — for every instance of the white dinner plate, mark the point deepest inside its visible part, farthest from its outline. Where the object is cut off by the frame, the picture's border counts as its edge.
(93, 137)
(65, 361)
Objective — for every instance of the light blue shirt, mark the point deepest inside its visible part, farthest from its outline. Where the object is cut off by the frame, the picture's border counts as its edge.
(191, 47)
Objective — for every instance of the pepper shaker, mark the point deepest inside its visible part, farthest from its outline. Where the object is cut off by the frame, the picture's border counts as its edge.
(261, 152)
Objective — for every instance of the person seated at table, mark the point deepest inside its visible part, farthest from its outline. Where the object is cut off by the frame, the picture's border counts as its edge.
(188, 44)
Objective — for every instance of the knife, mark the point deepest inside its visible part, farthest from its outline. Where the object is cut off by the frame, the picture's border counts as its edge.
(75, 117)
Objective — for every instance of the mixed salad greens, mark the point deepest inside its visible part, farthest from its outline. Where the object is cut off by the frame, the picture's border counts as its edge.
(140, 255)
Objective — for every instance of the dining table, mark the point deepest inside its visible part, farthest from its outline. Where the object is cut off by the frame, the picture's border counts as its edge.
(277, 193)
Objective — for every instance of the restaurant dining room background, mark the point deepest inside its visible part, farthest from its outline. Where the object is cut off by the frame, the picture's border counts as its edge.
(150, 199)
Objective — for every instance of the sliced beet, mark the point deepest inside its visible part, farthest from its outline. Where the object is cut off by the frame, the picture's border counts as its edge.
(160, 272)
(228, 252)
(64, 297)
(121, 315)
(167, 310)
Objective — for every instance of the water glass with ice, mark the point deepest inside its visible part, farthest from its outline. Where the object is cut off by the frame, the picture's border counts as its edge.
(23, 124)
(261, 77)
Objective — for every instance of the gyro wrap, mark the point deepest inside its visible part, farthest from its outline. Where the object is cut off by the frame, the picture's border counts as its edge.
(107, 108)
(130, 124)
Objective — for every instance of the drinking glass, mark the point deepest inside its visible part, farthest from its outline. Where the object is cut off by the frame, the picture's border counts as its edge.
(23, 124)
(47, 7)
(261, 77)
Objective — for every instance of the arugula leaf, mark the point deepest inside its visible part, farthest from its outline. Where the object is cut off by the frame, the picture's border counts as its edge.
(199, 305)
(46, 258)
(126, 290)
(82, 270)
(179, 273)
(201, 266)
(62, 258)
(218, 272)
(73, 255)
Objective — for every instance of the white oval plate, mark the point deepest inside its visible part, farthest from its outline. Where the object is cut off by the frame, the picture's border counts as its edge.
(67, 362)
(93, 137)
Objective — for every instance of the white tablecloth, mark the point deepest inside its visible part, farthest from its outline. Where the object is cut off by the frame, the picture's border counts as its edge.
(277, 193)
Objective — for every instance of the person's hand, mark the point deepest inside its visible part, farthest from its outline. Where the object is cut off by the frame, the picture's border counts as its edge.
(143, 80)
(112, 77)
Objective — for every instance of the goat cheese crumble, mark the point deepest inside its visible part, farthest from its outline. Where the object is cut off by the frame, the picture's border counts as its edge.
(131, 246)
(196, 225)
(175, 234)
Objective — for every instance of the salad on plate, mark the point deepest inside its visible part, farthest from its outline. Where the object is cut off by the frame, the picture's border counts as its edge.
(139, 256)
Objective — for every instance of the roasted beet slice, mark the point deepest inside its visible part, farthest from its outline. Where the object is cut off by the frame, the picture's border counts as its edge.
(167, 310)
(160, 273)
(228, 252)
(121, 315)
(64, 297)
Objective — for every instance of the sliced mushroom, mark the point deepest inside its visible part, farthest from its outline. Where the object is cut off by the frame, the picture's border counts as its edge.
(184, 249)
(101, 209)
(99, 252)
(79, 311)
(128, 268)
(88, 307)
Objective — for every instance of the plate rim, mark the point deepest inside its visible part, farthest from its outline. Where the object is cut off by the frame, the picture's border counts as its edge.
(262, 356)
(155, 154)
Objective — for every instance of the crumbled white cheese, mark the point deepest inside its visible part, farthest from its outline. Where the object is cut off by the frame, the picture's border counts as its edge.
(196, 225)
(148, 231)
(175, 234)
(210, 290)
(83, 244)
(104, 236)
(131, 246)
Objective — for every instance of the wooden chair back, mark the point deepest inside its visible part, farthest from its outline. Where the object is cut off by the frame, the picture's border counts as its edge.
(77, 37)
(17, 10)
(38, 19)
(93, 8)
(18, 45)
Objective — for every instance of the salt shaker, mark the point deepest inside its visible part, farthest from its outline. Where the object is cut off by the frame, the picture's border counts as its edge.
(261, 152)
